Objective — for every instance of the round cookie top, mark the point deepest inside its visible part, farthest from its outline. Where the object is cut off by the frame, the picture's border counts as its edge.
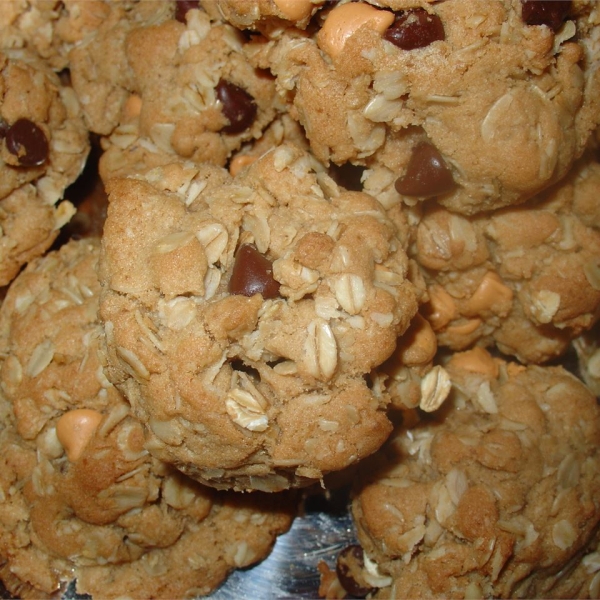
(242, 315)
(82, 497)
(43, 148)
(493, 495)
(479, 104)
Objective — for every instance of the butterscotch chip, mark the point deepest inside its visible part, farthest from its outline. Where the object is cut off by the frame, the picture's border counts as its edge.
(81, 496)
(43, 148)
(252, 379)
(406, 91)
(495, 495)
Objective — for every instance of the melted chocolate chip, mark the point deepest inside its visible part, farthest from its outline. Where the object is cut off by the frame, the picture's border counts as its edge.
(350, 563)
(545, 12)
(238, 106)
(181, 8)
(426, 174)
(415, 29)
(27, 142)
(252, 274)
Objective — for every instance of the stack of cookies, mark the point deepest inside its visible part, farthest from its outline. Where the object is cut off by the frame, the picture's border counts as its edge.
(323, 238)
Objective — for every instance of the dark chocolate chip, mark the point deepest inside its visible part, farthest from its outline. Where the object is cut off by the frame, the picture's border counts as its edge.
(545, 12)
(252, 274)
(350, 563)
(426, 174)
(238, 106)
(415, 29)
(27, 142)
(182, 7)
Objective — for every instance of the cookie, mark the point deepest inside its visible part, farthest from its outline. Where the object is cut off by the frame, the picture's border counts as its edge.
(43, 148)
(242, 315)
(82, 497)
(492, 496)
(49, 30)
(267, 16)
(479, 105)
(222, 101)
(525, 279)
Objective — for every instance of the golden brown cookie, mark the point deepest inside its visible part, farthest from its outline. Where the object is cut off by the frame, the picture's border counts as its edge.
(524, 278)
(243, 314)
(81, 496)
(43, 148)
(478, 104)
(493, 495)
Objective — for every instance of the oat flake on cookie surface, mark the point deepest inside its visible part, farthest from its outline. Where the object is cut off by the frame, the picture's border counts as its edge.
(81, 496)
(242, 315)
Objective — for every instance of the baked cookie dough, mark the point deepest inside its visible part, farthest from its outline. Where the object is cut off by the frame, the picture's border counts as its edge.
(495, 495)
(221, 101)
(524, 278)
(478, 104)
(43, 149)
(242, 315)
(50, 29)
(267, 16)
(81, 496)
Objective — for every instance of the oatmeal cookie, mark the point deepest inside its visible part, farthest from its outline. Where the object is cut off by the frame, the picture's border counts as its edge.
(81, 496)
(267, 16)
(50, 29)
(524, 278)
(221, 101)
(43, 148)
(478, 104)
(242, 315)
(493, 495)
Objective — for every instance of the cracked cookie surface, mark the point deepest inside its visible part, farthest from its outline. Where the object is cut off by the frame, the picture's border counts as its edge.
(267, 298)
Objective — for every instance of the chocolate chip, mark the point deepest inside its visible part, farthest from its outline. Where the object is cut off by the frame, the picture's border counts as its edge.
(545, 12)
(426, 174)
(27, 142)
(252, 274)
(182, 7)
(415, 29)
(238, 106)
(348, 568)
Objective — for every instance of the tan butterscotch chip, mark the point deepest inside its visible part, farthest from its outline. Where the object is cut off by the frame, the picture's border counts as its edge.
(243, 315)
(75, 429)
(486, 496)
(81, 496)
